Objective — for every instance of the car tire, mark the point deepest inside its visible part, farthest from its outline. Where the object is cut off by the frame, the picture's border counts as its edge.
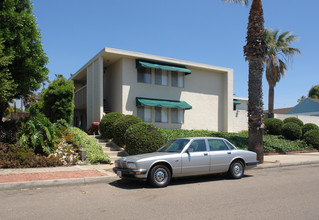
(236, 169)
(159, 176)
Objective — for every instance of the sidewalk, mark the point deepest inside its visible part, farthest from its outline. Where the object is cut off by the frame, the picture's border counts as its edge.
(86, 174)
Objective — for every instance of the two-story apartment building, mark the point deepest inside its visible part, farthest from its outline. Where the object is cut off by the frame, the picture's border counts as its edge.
(166, 92)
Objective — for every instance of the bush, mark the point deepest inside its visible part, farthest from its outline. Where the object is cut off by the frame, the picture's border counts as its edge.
(40, 135)
(16, 156)
(312, 137)
(58, 100)
(107, 123)
(94, 151)
(309, 126)
(273, 126)
(294, 120)
(291, 131)
(143, 138)
(121, 125)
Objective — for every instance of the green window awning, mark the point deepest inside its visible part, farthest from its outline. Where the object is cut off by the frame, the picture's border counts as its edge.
(236, 102)
(163, 67)
(162, 103)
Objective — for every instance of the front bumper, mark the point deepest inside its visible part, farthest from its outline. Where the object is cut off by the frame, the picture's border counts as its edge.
(124, 173)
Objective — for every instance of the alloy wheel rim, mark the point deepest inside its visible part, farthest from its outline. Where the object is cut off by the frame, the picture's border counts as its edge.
(238, 169)
(160, 176)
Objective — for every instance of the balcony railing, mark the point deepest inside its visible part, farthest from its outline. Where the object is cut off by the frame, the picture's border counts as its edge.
(80, 98)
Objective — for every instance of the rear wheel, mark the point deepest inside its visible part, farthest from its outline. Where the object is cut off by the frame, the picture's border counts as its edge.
(159, 176)
(236, 169)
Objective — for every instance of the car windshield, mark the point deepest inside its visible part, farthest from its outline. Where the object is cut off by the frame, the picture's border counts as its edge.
(175, 145)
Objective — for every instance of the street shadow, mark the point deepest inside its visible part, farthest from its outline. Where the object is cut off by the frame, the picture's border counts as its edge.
(133, 185)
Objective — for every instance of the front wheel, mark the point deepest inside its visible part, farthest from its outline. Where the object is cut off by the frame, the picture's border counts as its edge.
(160, 176)
(236, 170)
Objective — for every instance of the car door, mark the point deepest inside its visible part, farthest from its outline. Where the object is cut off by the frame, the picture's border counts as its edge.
(196, 159)
(220, 156)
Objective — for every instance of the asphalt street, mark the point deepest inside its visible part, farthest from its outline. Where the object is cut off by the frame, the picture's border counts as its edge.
(276, 193)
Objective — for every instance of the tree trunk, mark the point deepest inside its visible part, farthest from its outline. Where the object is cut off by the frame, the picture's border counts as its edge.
(255, 51)
(255, 109)
(271, 94)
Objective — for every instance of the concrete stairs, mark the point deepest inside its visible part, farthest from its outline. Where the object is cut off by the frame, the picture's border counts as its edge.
(110, 148)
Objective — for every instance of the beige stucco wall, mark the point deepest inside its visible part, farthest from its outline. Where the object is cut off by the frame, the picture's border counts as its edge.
(208, 92)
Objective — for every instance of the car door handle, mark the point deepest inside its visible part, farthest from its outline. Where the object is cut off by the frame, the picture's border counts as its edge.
(205, 154)
(228, 152)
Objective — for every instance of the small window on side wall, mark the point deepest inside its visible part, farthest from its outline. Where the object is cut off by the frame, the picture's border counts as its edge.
(161, 115)
(177, 115)
(161, 77)
(144, 75)
(145, 113)
(177, 79)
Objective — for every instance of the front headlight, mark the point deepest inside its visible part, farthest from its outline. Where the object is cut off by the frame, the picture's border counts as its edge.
(131, 165)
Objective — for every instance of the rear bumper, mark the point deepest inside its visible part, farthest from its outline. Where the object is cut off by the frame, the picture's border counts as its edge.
(250, 165)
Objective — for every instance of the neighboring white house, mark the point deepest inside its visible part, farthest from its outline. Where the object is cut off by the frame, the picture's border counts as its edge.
(167, 92)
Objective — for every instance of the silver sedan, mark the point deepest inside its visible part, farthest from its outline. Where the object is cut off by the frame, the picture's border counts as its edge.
(186, 157)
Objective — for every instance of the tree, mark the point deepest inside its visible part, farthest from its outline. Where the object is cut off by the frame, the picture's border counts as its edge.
(58, 100)
(22, 43)
(255, 51)
(279, 53)
(314, 92)
(7, 86)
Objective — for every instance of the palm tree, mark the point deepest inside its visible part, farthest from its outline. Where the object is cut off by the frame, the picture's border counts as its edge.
(279, 53)
(255, 51)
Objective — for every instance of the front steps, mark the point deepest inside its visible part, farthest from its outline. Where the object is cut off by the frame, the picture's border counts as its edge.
(114, 151)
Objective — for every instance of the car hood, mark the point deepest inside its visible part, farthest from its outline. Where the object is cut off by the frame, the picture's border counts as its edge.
(151, 156)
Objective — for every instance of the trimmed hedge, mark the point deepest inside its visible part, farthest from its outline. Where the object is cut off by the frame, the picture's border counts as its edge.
(273, 126)
(143, 138)
(309, 126)
(121, 125)
(291, 131)
(294, 120)
(312, 137)
(107, 122)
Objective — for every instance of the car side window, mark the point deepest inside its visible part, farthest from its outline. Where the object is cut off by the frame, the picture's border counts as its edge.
(197, 146)
(217, 145)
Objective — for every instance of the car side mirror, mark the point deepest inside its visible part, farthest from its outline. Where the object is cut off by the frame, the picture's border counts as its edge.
(190, 149)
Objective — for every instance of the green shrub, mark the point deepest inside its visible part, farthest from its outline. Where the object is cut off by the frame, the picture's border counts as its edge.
(291, 131)
(121, 125)
(16, 156)
(58, 100)
(273, 126)
(107, 123)
(94, 151)
(40, 135)
(294, 120)
(312, 137)
(35, 108)
(143, 138)
(309, 126)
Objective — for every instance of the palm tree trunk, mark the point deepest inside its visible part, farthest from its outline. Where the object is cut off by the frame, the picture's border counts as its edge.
(255, 109)
(255, 51)
(271, 94)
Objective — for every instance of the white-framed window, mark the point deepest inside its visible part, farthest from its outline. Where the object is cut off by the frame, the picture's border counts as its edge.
(144, 75)
(177, 79)
(161, 115)
(177, 116)
(145, 113)
(161, 77)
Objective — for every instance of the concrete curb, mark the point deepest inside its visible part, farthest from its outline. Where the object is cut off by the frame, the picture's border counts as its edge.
(278, 165)
(56, 182)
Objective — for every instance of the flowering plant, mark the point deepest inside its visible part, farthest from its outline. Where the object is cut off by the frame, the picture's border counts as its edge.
(93, 130)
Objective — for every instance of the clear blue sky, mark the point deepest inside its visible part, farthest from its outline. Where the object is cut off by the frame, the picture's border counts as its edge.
(204, 31)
